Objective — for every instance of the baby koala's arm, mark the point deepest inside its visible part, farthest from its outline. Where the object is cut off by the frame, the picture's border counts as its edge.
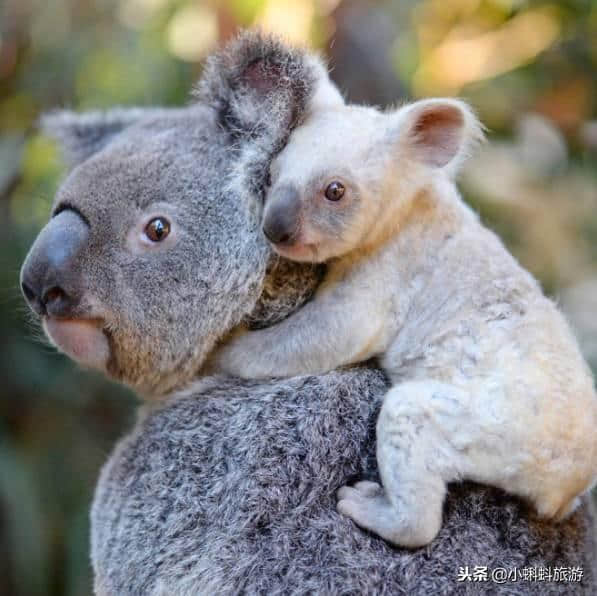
(343, 324)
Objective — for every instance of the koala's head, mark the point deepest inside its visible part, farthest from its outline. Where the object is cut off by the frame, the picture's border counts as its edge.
(348, 170)
(153, 251)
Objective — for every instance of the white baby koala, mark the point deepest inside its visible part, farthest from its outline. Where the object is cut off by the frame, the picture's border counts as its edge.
(488, 382)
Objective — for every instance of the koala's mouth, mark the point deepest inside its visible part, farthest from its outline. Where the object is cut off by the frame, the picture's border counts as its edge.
(83, 340)
(297, 251)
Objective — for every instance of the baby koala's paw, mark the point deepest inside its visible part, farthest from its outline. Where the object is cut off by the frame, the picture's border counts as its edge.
(365, 503)
(243, 355)
(364, 488)
(368, 506)
(230, 358)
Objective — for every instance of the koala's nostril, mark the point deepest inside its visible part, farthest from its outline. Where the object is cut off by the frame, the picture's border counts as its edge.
(57, 302)
(52, 296)
(28, 292)
(277, 234)
(32, 297)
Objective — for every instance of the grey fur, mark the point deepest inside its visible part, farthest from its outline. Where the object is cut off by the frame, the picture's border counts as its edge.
(228, 486)
(187, 158)
(82, 135)
(231, 490)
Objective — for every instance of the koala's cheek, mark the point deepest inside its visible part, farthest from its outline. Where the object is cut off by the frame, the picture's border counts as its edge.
(83, 341)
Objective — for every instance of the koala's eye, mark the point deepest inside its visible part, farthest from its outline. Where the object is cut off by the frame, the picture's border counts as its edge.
(334, 191)
(157, 229)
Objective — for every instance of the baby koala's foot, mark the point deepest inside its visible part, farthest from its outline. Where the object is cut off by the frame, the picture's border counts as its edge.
(364, 487)
(368, 506)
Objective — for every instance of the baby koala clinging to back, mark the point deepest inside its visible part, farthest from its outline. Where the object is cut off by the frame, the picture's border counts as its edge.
(488, 382)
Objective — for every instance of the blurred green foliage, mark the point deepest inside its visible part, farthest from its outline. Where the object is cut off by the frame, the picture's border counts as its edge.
(528, 67)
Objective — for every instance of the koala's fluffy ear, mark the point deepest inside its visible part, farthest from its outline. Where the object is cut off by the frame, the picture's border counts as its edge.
(258, 83)
(81, 135)
(440, 133)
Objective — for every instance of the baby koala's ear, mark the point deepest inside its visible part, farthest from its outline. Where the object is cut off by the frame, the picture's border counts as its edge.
(440, 133)
(256, 83)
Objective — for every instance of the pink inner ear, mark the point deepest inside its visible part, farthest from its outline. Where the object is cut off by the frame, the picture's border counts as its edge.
(437, 134)
(261, 77)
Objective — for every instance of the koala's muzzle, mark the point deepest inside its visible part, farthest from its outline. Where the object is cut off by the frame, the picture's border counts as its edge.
(281, 220)
(53, 287)
(48, 277)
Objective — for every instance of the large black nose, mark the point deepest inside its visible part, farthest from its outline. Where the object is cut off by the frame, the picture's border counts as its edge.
(49, 277)
(281, 219)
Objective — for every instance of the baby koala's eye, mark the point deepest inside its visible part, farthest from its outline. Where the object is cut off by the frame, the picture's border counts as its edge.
(334, 191)
(157, 229)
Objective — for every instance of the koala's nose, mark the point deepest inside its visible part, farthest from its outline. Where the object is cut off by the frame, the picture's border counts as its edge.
(53, 301)
(282, 215)
(48, 276)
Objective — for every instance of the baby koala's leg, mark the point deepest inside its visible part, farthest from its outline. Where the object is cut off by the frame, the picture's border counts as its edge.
(417, 456)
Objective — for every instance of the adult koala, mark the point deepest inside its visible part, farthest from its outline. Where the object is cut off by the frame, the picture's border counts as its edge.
(227, 486)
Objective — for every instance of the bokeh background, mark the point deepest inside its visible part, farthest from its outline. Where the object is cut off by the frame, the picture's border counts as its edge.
(529, 68)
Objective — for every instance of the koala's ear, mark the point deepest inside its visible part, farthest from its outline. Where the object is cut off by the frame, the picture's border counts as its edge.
(258, 82)
(81, 135)
(440, 133)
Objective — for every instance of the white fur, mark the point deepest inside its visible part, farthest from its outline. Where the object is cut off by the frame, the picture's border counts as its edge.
(489, 384)
(326, 94)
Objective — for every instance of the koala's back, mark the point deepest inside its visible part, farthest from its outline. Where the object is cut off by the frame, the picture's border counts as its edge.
(232, 490)
(483, 325)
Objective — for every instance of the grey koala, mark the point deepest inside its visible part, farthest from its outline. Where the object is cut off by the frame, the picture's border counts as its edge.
(152, 255)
